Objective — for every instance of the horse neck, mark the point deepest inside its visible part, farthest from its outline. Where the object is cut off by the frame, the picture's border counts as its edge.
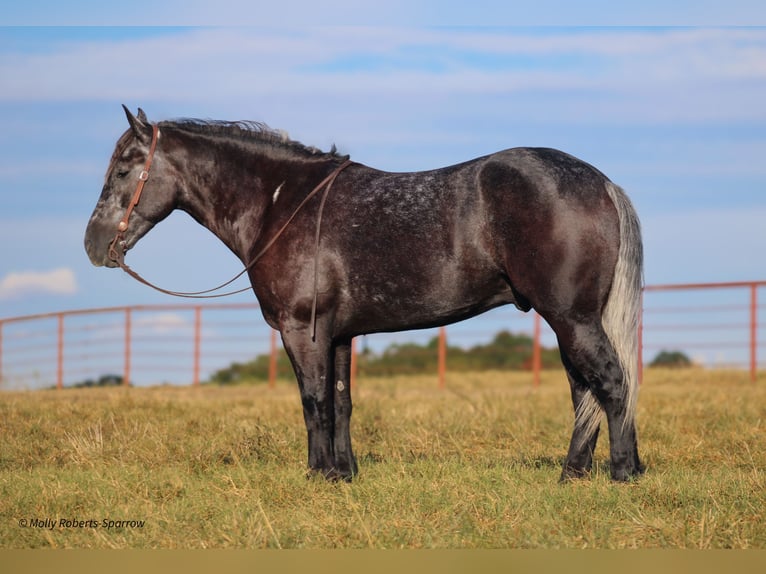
(230, 187)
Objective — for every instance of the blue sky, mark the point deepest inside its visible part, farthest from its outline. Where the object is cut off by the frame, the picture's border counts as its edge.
(668, 102)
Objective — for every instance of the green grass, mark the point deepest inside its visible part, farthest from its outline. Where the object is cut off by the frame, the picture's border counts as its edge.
(473, 466)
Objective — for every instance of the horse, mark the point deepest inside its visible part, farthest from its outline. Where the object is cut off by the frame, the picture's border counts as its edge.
(334, 249)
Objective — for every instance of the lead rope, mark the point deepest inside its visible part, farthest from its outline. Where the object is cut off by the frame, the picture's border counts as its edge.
(117, 253)
(316, 254)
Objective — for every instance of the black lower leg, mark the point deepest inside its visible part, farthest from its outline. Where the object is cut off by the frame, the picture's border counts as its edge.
(345, 462)
(597, 380)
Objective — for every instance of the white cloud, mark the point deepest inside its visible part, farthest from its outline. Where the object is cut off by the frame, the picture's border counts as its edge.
(657, 74)
(164, 323)
(55, 282)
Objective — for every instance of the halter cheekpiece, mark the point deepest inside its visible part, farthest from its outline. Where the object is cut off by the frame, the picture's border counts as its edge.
(116, 248)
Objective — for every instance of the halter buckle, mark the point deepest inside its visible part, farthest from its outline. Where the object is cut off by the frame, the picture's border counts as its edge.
(144, 175)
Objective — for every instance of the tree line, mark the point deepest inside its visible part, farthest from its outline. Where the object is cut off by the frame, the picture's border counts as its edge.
(506, 351)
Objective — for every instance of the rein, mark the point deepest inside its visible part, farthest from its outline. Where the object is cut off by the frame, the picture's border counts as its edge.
(117, 246)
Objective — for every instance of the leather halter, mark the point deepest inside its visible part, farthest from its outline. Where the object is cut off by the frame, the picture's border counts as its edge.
(117, 246)
(122, 226)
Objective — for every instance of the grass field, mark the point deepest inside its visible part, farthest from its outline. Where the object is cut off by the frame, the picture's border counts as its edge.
(473, 466)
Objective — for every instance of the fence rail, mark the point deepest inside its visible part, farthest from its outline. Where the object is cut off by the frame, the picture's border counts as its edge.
(716, 324)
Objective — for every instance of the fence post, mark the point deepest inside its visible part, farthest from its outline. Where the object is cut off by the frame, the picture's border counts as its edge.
(536, 359)
(442, 357)
(60, 358)
(197, 342)
(273, 360)
(753, 331)
(128, 328)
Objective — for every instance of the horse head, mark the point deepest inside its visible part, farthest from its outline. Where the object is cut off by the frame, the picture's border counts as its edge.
(125, 212)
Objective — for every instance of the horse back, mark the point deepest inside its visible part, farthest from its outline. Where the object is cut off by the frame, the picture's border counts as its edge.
(411, 250)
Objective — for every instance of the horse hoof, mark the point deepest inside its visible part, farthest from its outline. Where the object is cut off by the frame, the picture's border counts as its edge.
(628, 475)
(569, 474)
(331, 475)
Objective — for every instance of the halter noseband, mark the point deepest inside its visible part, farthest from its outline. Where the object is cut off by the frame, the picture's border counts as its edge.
(116, 248)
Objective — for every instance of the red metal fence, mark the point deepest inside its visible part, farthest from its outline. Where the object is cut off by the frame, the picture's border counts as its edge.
(716, 324)
(148, 344)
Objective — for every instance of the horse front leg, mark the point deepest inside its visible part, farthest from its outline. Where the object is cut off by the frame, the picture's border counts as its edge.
(311, 361)
(345, 462)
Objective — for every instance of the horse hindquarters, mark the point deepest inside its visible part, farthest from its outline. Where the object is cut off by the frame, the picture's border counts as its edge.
(600, 354)
(570, 245)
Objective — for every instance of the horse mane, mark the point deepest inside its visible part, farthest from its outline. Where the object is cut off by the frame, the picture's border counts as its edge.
(251, 131)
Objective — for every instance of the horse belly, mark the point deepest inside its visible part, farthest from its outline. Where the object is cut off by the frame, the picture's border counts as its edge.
(421, 303)
(422, 260)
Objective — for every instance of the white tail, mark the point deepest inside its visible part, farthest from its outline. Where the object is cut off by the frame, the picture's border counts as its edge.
(621, 314)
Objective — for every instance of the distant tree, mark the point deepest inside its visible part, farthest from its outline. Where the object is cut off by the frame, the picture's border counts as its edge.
(401, 359)
(102, 381)
(506, 351)
(675, 359)
(256, 370)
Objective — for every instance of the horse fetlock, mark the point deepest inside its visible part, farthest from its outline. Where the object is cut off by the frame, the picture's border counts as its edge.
(627, 468)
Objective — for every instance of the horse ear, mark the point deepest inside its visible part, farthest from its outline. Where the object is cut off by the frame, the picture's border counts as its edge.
(137, 124)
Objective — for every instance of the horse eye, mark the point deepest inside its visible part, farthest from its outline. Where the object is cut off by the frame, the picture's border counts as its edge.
(122, 173)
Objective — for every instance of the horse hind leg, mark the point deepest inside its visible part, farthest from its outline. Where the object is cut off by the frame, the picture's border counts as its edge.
(588, 415)
(599, 385)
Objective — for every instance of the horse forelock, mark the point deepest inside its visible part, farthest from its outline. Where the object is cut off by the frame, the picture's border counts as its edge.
(249, 131)
(119, 150)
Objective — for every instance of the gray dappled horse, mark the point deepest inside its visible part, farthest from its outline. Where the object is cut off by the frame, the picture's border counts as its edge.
(393, 251)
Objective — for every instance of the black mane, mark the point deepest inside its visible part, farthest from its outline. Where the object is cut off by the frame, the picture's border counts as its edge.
(249, 131)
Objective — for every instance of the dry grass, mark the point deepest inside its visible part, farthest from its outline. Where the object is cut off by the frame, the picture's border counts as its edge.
(475, 466)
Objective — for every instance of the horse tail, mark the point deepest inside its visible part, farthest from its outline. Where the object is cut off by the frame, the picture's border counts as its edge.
(621, 314)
